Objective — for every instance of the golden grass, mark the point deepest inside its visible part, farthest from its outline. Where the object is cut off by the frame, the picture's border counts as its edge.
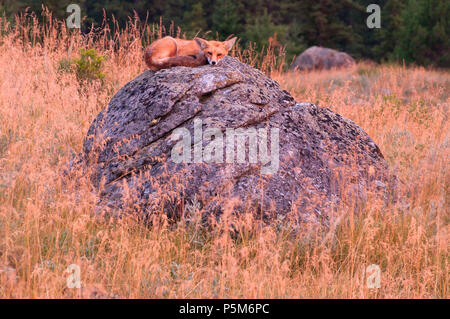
(44, 227)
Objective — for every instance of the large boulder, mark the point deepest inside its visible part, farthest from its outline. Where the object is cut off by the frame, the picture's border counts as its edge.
(168, 137)
(318, 58)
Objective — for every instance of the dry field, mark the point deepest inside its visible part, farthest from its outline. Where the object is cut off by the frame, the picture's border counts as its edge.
(44, 227)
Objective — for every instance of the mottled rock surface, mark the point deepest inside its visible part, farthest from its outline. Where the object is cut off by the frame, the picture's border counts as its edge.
(323, 157)
(318, 58)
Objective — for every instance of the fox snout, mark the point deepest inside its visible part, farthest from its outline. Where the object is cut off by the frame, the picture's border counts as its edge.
(212, 62)
(213, 58)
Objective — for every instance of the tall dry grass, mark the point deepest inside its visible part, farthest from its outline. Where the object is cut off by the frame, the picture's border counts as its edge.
(44, 227)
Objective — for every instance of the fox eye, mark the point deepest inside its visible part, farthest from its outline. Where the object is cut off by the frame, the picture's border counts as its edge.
(219, 55)
(209, 53)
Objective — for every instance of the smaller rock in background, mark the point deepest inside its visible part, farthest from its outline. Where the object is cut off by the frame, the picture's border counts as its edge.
(319, 58)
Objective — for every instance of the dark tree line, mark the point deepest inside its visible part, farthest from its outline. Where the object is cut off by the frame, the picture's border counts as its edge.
(414, 31)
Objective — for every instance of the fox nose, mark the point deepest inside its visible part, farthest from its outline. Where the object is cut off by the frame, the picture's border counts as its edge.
(213, 62)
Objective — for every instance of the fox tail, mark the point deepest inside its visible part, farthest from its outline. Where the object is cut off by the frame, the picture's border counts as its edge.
(148, 57)
(182, 60)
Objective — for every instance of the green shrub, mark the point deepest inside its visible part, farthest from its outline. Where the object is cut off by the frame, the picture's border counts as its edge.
(88, 67)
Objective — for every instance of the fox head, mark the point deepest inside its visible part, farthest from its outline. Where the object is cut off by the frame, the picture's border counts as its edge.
(215, 50)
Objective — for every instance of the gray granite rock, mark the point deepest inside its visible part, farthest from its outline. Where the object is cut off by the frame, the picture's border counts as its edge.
(324, 159)
(318, 58)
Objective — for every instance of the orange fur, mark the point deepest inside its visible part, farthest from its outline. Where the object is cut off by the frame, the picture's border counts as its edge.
(169, 52)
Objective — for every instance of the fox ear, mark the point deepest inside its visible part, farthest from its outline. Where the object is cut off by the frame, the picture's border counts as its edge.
(229, 43)
(203, 44)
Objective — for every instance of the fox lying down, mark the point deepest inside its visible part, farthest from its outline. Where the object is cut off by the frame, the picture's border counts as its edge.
(169, 52)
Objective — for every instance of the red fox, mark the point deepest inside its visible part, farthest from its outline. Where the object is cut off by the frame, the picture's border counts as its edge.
(169, 52)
